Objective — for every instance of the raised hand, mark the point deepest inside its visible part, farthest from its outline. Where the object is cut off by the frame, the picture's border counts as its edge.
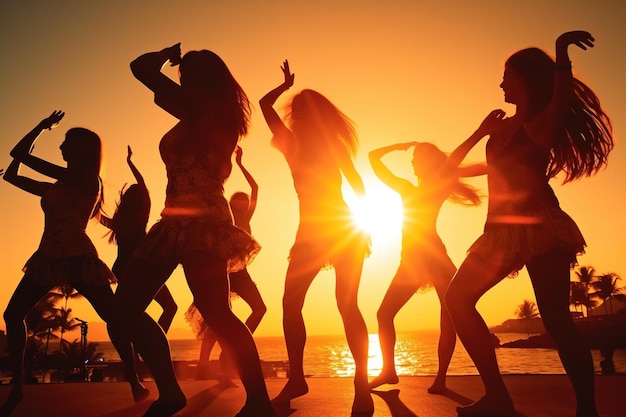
(238, 155)
(289, 76)
(174, 54)
(491, 122)
(52, 120)
(130, 154)
(405, 146)
(579, 38)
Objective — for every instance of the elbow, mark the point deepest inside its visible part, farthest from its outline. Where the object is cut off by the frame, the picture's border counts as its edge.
(134, 68)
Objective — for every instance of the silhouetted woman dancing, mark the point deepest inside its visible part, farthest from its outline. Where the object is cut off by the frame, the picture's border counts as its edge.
(558, 127)
(242, 206)
(66, 255)
(196, 227)
(424, 262)
(318, 146)
(128, 228)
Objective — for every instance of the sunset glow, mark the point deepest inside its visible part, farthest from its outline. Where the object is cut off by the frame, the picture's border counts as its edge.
(401, 70)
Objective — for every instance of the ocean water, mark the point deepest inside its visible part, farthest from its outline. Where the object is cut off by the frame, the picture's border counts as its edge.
(416, 354)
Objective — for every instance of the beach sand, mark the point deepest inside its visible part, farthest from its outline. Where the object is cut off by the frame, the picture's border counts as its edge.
(534, 396)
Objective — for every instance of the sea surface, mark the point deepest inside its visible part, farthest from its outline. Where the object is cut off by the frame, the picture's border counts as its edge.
(416, 354)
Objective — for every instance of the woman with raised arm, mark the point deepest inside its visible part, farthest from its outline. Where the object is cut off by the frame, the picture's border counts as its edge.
(196, 227)
(558, 127)
(66, 255)
(424, 262)
(242, 206)
(127, 229)
(318, 144)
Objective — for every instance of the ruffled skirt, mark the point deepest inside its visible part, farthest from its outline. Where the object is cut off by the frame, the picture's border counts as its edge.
(324, 243)
(174, 236)
(56, 272)
(424, 263)
(511, 243)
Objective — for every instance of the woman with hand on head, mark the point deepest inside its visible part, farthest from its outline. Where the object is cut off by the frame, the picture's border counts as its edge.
(559, 127)
(127, 229)
(66, 255)
(196, 227)
(424, 262)
(319, 144)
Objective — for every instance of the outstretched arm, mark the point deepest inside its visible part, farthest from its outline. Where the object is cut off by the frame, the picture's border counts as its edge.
(382, 172)
(254, 187)
(274, 122)
(22, 151)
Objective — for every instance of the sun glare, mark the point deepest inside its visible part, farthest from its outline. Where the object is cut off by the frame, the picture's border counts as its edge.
(379, 213)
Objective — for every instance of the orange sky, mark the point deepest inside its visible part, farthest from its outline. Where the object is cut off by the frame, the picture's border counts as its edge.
(400, 70)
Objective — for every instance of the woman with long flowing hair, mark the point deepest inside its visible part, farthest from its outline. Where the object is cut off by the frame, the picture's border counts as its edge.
(196, 227)
(319, 142)
(66, 256)
(424, 261)
(558, 127)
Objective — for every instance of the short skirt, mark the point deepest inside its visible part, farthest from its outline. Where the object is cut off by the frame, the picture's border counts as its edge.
(424, 264)
(515, 243)
(172, 237)
(324, 243)
(55, 272)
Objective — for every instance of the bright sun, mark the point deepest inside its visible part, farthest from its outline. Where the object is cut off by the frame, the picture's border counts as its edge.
(380, 213)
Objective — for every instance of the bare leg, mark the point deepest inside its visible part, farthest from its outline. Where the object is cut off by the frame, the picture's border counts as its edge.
(208, 341)
(300, 274)
(167, 303)
(140, 283)
(398, 294)
(550, 275)
(25, 296)
(102, 299)
(447, 339)
(242, 284)
(208, 282)
(475, 277)
(348, 272)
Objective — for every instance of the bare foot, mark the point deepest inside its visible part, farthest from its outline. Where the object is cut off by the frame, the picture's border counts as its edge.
(256, 410)
(438, 387)
(227, 382)
(292, 389)
(140, 393)
(363, 403)
(15, 397)
(488, 407)
(160, 408)
(384, 378)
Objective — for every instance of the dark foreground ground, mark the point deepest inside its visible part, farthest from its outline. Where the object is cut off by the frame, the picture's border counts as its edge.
(534, 396)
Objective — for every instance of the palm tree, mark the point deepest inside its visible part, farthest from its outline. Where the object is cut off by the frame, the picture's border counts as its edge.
(67, 323)
(66, 291)
(41, 321)
(527, 311)
(585, 275)
(606, 287)
(579, 296)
